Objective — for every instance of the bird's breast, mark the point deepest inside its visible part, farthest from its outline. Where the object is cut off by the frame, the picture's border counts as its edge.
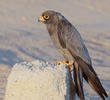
(52, 29)
(66, 54)
(54, 37)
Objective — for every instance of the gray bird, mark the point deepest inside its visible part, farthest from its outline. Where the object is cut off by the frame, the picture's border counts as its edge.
(68, 41)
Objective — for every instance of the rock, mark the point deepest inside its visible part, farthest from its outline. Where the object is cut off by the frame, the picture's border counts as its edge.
(39, 80)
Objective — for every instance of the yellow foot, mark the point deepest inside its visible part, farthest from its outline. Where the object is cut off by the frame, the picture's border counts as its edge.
(67, 63)
(70, 67)
(59, 63)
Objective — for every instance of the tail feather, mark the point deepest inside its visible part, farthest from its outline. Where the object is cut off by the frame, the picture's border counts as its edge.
(94, 86)
(78, 79)
(91, 77)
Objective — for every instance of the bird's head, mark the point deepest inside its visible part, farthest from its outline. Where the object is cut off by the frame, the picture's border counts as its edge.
(50, 17)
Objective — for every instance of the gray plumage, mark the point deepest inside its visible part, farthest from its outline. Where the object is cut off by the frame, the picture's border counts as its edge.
(69, 42)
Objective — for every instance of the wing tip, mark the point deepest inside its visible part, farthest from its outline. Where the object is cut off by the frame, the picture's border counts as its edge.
(92, 78)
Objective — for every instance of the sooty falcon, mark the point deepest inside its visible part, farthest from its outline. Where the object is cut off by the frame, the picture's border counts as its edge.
(68, 41)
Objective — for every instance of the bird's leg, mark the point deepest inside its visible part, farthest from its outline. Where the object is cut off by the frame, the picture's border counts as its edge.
(69, 64)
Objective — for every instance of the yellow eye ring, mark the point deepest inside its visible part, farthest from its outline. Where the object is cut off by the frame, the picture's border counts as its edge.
(46, 16)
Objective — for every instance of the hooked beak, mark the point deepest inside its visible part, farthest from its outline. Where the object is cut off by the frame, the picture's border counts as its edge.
(41, 19)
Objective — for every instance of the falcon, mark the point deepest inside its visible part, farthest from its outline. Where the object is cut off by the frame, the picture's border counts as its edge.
(70, 44)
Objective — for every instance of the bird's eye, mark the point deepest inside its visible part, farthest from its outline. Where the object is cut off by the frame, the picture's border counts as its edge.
(46, 16)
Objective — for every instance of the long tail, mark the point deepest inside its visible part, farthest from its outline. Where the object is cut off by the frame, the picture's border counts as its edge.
(91, 77)
(78, 79)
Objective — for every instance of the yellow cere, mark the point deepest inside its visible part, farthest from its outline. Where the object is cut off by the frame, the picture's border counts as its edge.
(42, 19)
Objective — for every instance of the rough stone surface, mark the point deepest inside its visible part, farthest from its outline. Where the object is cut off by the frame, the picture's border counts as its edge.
(39, 80)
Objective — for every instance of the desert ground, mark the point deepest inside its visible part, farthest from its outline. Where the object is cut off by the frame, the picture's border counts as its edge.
(22, 38)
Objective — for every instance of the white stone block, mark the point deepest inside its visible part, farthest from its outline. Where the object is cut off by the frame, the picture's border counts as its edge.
(39, 80)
